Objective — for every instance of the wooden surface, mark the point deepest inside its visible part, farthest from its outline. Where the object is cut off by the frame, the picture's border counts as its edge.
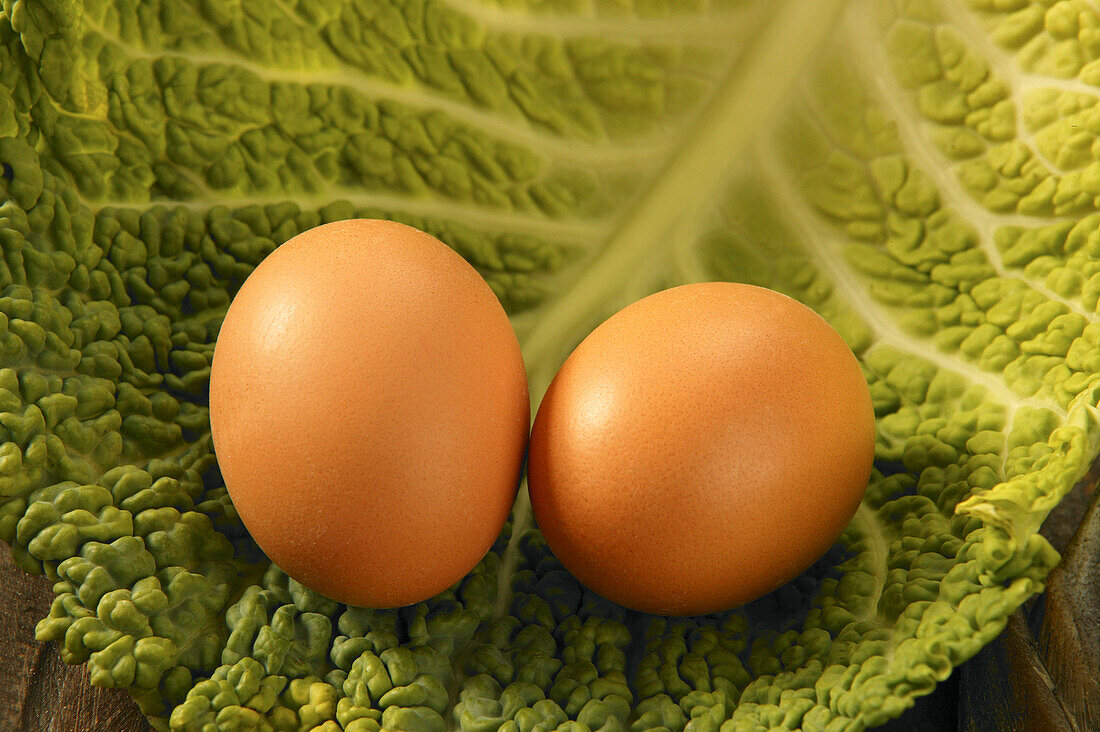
(38, 691)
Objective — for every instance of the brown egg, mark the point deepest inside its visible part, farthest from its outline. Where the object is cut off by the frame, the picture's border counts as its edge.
(700, 448)
(369, 411)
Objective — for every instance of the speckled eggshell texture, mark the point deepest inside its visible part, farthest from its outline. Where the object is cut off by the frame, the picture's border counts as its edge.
(700, 448)
(369, 410)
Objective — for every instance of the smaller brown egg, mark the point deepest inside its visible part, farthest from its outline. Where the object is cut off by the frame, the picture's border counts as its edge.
(700, 448)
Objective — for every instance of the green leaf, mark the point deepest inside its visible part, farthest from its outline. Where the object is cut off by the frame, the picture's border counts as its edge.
(925, 175)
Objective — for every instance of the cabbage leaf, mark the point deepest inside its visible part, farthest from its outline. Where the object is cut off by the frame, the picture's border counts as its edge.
(925, 174)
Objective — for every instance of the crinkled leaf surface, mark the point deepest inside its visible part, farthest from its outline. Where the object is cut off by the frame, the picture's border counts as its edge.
(925, 174)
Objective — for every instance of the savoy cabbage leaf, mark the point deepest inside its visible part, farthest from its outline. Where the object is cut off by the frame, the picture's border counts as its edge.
(924, 174)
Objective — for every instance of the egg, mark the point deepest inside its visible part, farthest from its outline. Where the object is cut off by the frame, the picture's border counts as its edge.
(700, 448)
(369, 412)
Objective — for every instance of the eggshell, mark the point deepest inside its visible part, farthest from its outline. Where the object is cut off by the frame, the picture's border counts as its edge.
(369, 411)
(700, 448)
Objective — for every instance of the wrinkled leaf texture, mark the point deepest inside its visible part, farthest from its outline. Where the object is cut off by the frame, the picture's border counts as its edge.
(924, 174)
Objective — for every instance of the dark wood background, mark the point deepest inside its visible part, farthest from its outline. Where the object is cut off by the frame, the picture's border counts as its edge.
(38, 691)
